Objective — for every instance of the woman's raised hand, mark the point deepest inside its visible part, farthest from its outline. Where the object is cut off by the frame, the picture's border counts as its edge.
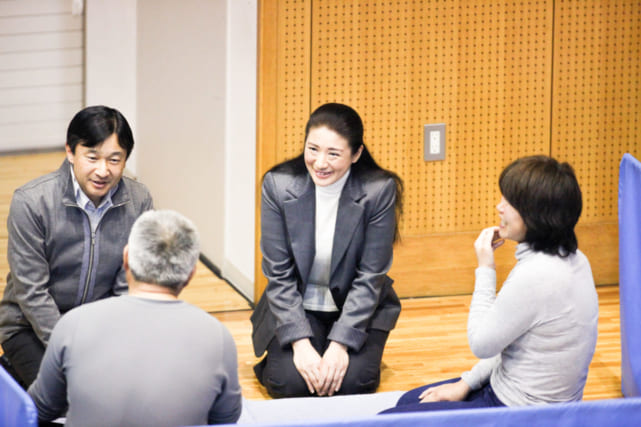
(485, 245)
(307, 362)
(333, 368)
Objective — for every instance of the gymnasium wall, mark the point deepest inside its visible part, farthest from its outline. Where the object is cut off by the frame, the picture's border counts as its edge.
(509, 78)
(41, 72)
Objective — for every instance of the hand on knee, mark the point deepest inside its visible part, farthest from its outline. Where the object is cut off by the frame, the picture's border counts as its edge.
(307, 362)
(333, 367)
(449, 392)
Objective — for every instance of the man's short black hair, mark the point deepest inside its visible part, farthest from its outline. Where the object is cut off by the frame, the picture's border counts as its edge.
(92, 125)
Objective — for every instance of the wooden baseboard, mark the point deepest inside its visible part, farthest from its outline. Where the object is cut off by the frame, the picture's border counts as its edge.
(443, 264)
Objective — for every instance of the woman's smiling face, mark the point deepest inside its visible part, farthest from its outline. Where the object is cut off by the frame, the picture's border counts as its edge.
(328, 156)
(512, 226)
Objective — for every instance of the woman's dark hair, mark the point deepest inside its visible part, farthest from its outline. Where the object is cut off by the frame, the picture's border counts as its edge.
(346, 122)
(546, 194)
(92, 125)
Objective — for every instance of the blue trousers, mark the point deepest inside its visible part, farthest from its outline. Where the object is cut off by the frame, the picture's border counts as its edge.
(481, 398)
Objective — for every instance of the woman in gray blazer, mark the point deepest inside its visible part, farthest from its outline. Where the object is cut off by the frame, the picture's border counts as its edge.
(329, 218)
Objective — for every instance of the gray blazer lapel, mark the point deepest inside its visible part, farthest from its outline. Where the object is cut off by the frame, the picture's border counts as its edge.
(350, 212)
(300, 214)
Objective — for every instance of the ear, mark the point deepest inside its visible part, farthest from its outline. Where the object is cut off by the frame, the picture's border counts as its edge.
(70, 155)
(125, 258)
(358, 153)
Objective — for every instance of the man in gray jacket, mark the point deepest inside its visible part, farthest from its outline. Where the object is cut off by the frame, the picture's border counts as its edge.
(67, 230)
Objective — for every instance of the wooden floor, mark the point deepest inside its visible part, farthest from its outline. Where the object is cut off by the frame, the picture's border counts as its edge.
(428, 344)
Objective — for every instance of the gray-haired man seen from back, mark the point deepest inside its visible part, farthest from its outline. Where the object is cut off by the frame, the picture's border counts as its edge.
(145, 358)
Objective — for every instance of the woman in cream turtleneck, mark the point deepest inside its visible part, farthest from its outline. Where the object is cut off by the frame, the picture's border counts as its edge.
(535, 338)
(329, 218)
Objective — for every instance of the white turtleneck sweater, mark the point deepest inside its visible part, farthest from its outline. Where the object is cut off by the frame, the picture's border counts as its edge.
(317, 294)
(537, 336)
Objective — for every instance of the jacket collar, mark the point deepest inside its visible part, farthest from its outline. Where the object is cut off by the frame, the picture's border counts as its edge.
(300, 213)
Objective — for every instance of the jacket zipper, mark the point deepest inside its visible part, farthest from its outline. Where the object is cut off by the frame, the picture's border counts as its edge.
(90, 269)
(85, 291)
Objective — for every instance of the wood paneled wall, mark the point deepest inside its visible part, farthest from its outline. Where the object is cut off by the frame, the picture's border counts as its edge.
(597, 96)
(509, 78)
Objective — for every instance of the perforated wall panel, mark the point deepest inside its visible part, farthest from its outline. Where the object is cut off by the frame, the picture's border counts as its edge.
(508, 78)
(294, 52)
(480, 67)
(597, 96)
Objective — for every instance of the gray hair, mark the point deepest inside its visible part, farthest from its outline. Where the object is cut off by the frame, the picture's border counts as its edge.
(163, 248)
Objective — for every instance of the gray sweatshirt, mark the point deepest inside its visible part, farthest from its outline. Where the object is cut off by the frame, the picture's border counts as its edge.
(130, 361)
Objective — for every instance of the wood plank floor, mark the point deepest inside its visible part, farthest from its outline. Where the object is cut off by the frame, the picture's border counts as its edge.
(428, 344)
